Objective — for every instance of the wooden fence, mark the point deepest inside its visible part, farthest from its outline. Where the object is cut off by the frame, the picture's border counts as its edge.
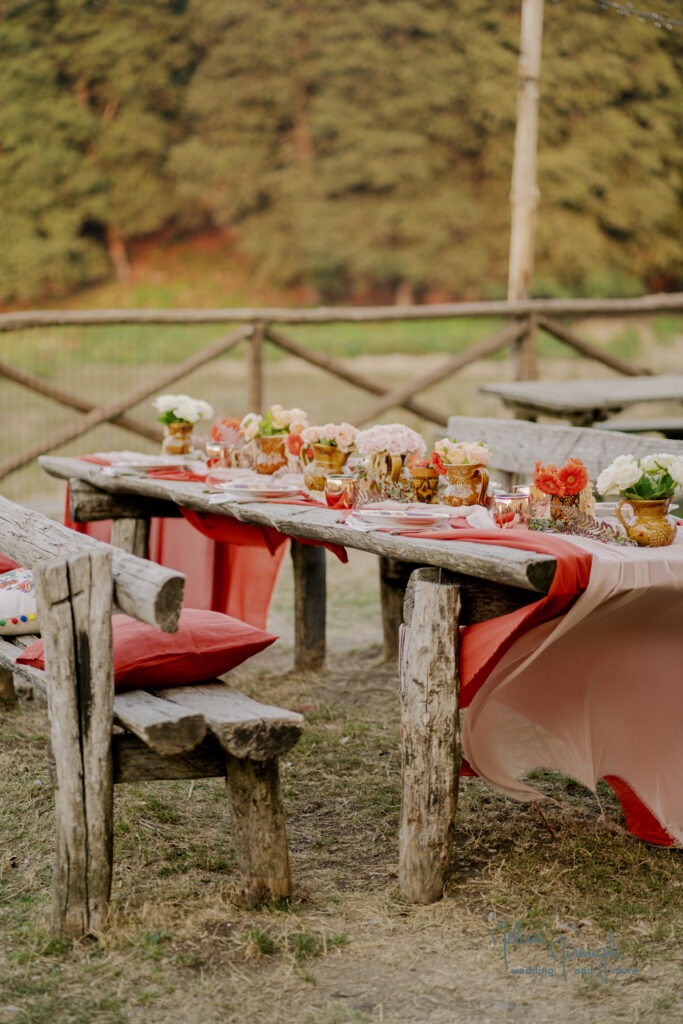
(257, 326)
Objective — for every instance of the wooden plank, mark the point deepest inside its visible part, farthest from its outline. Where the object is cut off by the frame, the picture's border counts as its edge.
(148, 592)
(572, 339)
(245, 728)
(339, 369)
(89, 504)
(644, 304)
(480, 600)
(118, 405)
(516, 444)
(503, 565)
(49, 390)
(134, 761)
(9, 652)
(163, 726)
(670, 426)
(482, 349)
(310, 602)
(259, 832)
(430, 739)
(597, 397)
(8, 696)
(74, 601)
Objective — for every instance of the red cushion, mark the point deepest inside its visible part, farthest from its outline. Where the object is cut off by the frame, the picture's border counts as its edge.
(6, 564)
(207, 644)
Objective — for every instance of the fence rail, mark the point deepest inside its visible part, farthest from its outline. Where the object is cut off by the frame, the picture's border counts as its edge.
(525, 317)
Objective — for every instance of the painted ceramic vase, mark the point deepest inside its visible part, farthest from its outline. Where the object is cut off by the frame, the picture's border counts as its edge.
(177, 439)
(270, 454)
(425, 484)
(648, 525)
(562, 506)
(467, 485)
(328, 460)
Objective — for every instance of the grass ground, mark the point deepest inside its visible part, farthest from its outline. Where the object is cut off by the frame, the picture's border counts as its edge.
(181, 949)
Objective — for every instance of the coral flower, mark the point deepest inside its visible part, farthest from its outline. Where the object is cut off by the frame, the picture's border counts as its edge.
(438, 463)
(227, 430)
(294, 444)
(547, 479)
(573, 476)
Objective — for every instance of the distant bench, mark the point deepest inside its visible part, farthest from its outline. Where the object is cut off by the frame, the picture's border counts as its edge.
(177, 733)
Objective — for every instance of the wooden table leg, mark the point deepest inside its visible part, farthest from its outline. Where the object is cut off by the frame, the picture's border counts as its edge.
(310, 597)
(131, 535)
(393, 580)
(430, 735)
(8, 696)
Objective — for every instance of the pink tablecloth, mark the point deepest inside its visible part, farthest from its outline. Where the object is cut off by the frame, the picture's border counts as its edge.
(596, 692)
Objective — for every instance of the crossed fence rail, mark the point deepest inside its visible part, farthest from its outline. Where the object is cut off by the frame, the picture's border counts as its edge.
(256, 326)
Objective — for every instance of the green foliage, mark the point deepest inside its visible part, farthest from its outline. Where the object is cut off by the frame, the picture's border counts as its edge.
(358, 149)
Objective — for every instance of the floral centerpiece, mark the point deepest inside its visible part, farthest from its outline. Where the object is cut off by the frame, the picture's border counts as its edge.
(647, 485)
(323, 451)
(269, 432)
(463, 463)
(567, 487)
(179, 413)
(384, 448)
(227, 438)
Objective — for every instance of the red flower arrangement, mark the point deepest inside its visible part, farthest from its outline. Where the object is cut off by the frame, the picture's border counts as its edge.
(569, 479)
(433, 461)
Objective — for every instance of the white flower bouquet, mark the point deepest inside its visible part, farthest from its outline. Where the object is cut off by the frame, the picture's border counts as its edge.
(181, 409)
(390, 439)
(651, 478)
(463, 453)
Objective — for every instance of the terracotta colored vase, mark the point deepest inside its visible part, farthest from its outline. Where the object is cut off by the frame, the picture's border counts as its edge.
(270, 454)
(648, 525)
(327, 460)
(467, 485)
(177, 439)
(425, 483)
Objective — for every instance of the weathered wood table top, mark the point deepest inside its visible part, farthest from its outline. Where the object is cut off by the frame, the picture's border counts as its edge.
(524, 569)
(585, 401)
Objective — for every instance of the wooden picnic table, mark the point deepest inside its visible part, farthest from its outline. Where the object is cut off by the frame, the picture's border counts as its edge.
(584, 402)
(459, 583)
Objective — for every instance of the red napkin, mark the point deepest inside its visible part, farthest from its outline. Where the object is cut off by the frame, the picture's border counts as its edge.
(231, 531)
(161, 473)
(97, 459)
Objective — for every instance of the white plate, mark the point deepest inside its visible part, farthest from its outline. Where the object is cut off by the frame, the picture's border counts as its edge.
(258, 492)
(384, 517)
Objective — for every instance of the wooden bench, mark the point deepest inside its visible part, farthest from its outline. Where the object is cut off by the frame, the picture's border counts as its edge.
(669, 426)
(98, 738)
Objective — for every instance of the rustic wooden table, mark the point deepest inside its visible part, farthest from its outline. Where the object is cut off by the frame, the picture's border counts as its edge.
(584, 402)
(459, 583)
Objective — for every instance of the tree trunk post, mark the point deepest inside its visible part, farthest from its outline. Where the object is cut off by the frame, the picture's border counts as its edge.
(259, 828)
(430, 736)
(131, 535)
(74, 602)
(8, 695)
(256, 368)
(523, 352)
(310, 600)
(524, 191)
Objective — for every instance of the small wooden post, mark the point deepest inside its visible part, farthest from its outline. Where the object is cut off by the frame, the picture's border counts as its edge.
(430, 735)
(8, 695)
(393, 580)
(310, 599)
(74, 602)
(524, 191)
(259, 828)
(131, 535)
(256, 367)
(524, 351)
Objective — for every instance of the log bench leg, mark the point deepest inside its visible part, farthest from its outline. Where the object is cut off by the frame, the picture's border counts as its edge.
(74, 606)
(310, 599)
(430, 736)
(393, 580)
(8, 695)
(131, 535)
(259, 828)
